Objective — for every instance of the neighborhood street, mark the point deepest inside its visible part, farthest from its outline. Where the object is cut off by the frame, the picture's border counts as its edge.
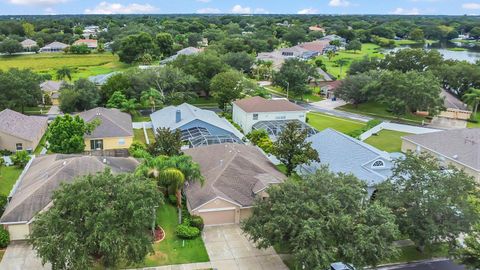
(441, 264)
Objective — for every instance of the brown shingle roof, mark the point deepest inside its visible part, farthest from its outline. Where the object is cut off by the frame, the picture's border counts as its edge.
(462, 145)
(316, 46)
(114, 123)
(45, 175)
(30, 128)
(233, 172)
(259, 104)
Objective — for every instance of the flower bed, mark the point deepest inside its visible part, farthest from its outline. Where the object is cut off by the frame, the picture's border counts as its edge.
(159, 234)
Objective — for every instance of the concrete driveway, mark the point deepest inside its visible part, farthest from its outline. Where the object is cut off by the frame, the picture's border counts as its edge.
(20, 256)
(229, 249)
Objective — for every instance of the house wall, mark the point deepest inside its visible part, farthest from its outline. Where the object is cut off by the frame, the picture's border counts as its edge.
(245, 120)
(409, 146)
(218, 212)
(110, 143)
(9, 142)
(18, 231)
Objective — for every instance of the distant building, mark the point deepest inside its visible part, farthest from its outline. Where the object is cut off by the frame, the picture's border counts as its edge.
(329, 89)
(52, 89)
(28, 44)
(90, 31)
(54, 47)
(185, 51)
(102, 78)
(317, 46)
(316, 28)
(91, 43)
(334, 37)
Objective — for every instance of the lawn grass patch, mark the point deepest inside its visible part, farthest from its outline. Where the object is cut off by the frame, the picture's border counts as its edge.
(8, 177)
(282, 168)
(387, 140)
(378, 110)
(173, 250)
(322, 121)
(314, 96)
(475, 125)
(410, 253)
(150, 135)
(140, 118)
(139, 136)
(41, 144)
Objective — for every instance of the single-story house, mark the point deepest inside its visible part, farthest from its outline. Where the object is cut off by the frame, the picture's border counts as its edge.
(334, 37)
(102, 78)
(328, 90)
(317, 46)
(184, 51)
(316, 28)
(33, 191)
(199, 127)
(457, 147)
(235, 175)
(252, 112)
(344, 154)
(52, 89)
(20, 132)
(114, 132)
(91, 43)
(54, 47)
(28, 44)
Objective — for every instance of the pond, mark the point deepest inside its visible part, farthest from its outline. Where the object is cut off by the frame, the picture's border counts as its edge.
(449, 50)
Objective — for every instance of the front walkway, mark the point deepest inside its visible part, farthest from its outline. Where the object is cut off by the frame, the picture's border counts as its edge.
(20, 256)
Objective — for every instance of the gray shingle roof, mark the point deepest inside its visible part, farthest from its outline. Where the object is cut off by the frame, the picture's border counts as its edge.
(345, 154)
(51, 86)
(462, 145)
(233, 172)
(102, 78)
(28, 43)
(30, 128)
(45, 175)
(114, 123)
(166, 118)
(55, 45)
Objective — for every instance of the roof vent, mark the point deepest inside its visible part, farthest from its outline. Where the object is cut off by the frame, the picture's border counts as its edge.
(455, 156)
(178, 116)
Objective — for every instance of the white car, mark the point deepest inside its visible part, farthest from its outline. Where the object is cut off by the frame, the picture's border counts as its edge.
(341, 266)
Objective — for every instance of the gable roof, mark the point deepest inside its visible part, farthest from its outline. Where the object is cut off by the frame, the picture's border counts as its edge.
(260, 104)
(88, 42)
(345, 154)
(35, 188)
(102, 78)
(460, 145)
(232, 172)
(316, 46)
(114, 123)
(51, 86)
(55, 45)
(166, 118)
(30, 128)
(28, 43)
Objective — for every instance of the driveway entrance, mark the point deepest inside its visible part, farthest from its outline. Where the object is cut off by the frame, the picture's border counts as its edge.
(20, 256)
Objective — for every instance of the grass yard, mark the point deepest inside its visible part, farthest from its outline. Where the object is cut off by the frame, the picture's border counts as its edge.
(173, 250)
(322, 121)
(140, 118)
(8, 177)
(312, 97)
(139, 136)
(370, 49)
(84, 65)
(378, 110)
(474, 125)
(387, 140)
(40, 145)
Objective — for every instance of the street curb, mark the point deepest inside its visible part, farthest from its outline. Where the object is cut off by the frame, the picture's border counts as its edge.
(411, 262)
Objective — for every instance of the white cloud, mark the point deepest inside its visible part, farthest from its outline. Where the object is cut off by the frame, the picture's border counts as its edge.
(241, 10)
(261, 11)
(49, 11)
(36, 2)
(117, 8)
(208, 10)
(405, 11)
(471, 5)
(203, 1)
(308, 11)
(339, 3)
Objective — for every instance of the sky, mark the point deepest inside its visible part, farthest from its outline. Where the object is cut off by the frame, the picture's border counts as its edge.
(405, 7)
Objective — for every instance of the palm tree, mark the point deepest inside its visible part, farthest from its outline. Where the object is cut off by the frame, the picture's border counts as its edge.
(472, 98)
(151, 97)
(64, 72)
(330, 54)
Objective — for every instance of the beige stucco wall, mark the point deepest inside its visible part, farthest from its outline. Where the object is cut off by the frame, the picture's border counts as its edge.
(409, 146)
(18, 231)
(110, 143)
(9, 142)
(245, 213)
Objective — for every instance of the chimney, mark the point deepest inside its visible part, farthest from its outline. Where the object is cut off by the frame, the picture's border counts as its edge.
(178, 116)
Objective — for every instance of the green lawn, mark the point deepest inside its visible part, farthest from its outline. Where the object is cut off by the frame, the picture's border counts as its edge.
(8, 177)
(140, 118)
(334, 68)
(173, 250)
(475, 125)
(387, 140)
(139, 135)
(379, 111)
(314, 96)
(34, 110)
(322, 121)
(83, 65)
(40, 145)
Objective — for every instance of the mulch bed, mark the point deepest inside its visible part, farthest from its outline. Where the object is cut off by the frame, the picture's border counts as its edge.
(159, 234)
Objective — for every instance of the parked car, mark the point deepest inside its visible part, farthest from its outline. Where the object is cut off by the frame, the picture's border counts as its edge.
(341, 266)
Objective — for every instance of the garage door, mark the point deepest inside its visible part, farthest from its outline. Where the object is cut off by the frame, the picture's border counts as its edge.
(218, 217)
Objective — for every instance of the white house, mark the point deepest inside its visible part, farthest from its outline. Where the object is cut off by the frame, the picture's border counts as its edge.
(250, 111)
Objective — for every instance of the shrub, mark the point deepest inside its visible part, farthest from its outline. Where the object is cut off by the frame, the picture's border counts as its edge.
(3, 203)
(172, 199)
(20, 159)
(5, 152)
(186, 232)
(197, 222)
(4, 238)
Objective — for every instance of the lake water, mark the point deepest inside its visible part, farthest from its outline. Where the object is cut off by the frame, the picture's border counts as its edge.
(471, 54)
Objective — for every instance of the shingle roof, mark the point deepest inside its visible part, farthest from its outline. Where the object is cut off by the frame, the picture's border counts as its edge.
(30, 128)
(28, 43)
(260, 104)
(461, 145)
(46, 173)
(316, 46)
(114, 123)
(345, 154)
(102, 78)
(55, 44)
(51, 86)
(166, 118)
(233, 172)
(88, 42)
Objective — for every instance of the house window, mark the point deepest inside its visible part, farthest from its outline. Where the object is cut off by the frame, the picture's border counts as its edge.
(378, 164)
(121, 141)
(255, 116)
(19, 147)
(96, 144)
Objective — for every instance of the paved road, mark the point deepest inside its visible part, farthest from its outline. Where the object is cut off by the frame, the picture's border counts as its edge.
(426, 265)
